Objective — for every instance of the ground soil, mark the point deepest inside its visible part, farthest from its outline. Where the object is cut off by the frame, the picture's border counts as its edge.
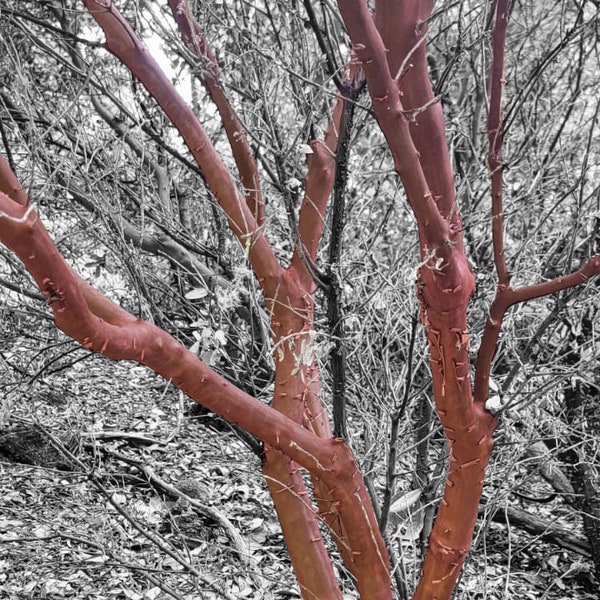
(80, 518)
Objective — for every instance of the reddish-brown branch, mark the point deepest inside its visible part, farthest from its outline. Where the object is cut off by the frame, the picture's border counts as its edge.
(10, 185)
(297, 518)
(296, 373)
(407, 59)
(125, 45)
(507, 297)
(194, 39)
(319, 184)
(296, 394)
(445, 280)
(121, 336)
(291, 309)
(495, 87)
(306, 402)
(468, 428)
(296, 515)
(371, 55)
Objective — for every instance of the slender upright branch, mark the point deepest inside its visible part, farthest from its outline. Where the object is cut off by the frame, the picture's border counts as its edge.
(319, 183)
(495, 86)
(324, 43)
(407, 58)
(396, 418)
(194, 39)
(334, 295)
(371, 54)
(122, 41)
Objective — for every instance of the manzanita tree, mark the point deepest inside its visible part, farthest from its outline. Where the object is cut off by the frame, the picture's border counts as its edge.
(389, 55)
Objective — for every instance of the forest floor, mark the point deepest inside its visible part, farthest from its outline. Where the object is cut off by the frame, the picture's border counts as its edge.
(132, 495)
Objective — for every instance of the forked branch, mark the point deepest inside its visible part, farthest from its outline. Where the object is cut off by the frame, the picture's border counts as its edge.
(507, 297)
(195, 41)
(122, 41)
(120, 336)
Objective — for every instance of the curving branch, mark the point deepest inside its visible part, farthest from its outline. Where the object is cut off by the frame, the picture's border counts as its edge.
(195, 41)
(122, 41)
(507, 297)
(158, 243)
(103, 327)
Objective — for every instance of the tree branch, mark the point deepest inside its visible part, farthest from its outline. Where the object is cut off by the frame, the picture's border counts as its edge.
(334, 293)
(122, 41)
(407, 59)
(507, 297)
(10, 185)
(324, 43)
(495, 86)
(102, 326)
(371, 54)
(194, 39)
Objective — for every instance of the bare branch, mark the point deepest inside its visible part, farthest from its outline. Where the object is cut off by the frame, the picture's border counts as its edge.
(371, 55)
(495, 87)
(507, 297)
(427, 130)
(10, 185)
(194, 39)
(124, 44)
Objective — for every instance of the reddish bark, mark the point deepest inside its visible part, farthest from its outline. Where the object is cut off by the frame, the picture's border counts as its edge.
(506, 296)
(495, 86)
(293, 316)
(407, 59)
(193, 36)
(416, 140)
(119, 335)
(103, 327)
(124, 44)
(9, 184)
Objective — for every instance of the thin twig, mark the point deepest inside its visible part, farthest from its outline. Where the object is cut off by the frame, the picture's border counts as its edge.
(405, 62)
(154, 539)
